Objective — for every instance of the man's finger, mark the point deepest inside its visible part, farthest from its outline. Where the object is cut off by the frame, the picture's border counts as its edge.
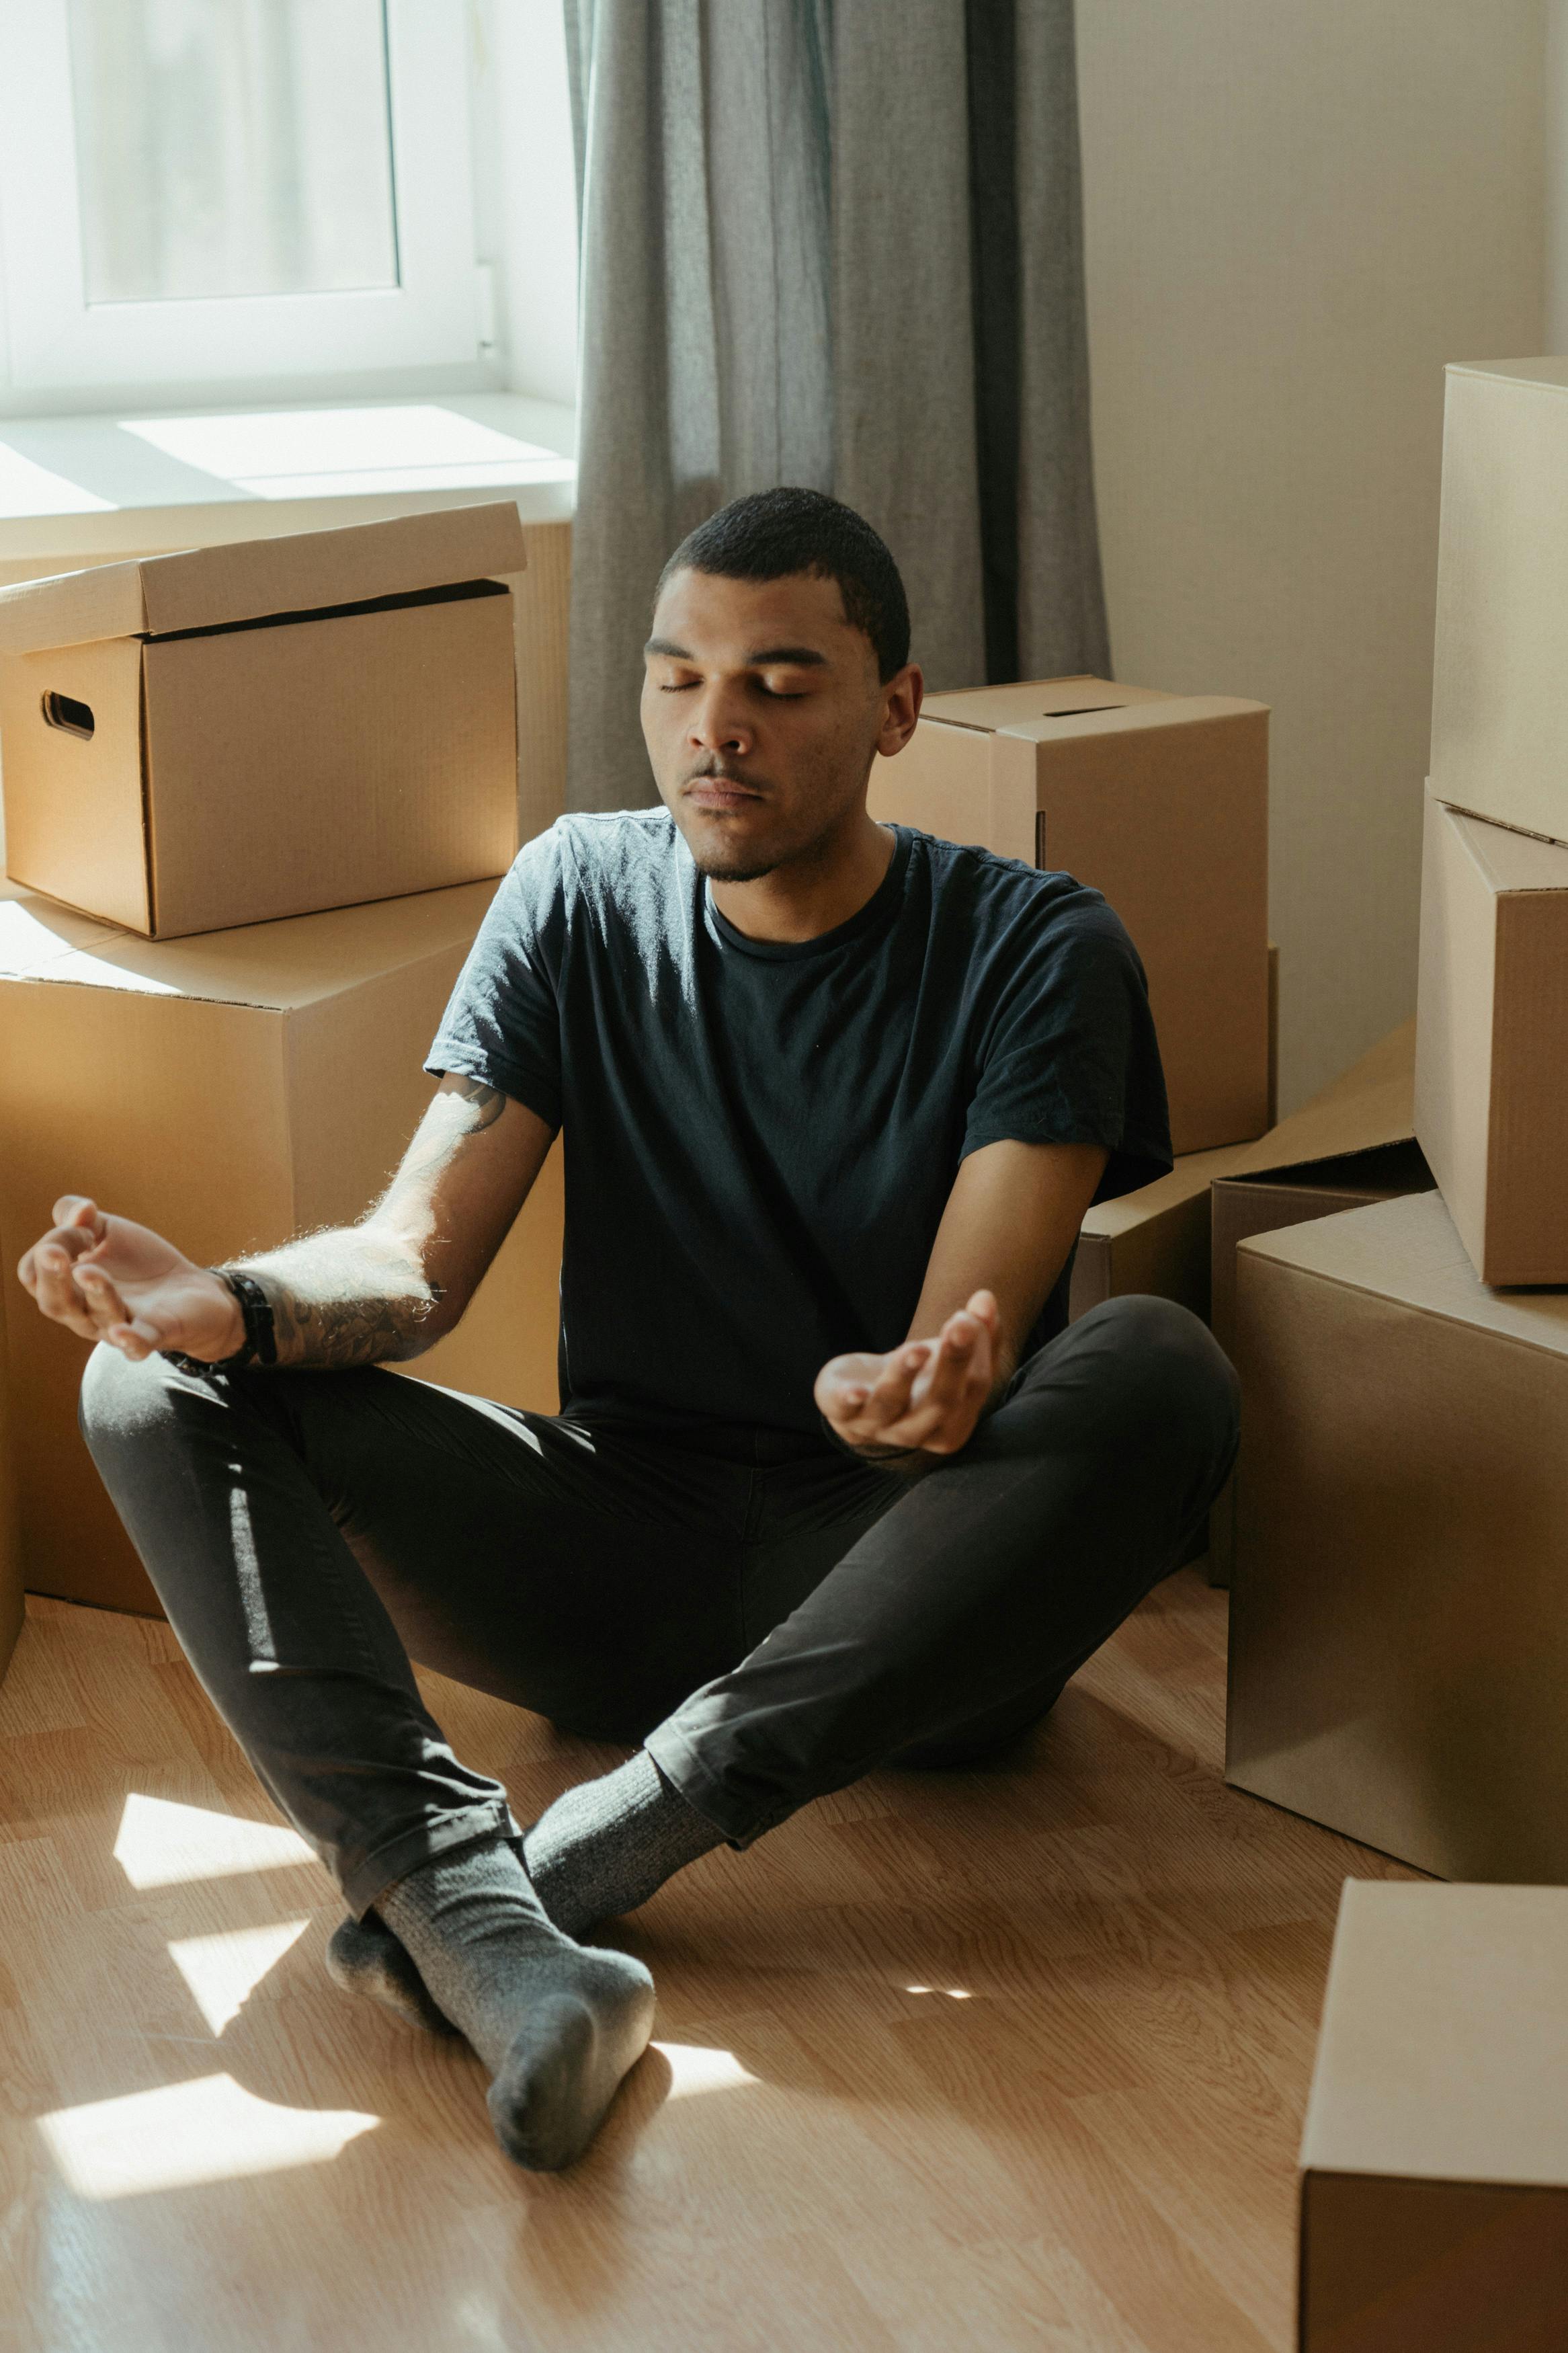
(56, 1292)
(889, 1395)
(104, 1303)
(77, 1209)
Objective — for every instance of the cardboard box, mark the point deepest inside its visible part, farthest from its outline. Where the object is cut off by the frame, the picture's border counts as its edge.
(1435, 2158)
(1491, 1105)
(1350, 1146)
(1499, 699)
(217, 738)
(230, 1092)
(1399, 1642)
(1161, 802)
(1352, 1143)
(11, 1600)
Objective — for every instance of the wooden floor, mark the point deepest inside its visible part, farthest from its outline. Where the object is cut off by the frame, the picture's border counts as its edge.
(1013, 2059)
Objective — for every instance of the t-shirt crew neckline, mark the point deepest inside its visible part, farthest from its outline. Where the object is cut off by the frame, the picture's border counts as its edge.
(878, 912)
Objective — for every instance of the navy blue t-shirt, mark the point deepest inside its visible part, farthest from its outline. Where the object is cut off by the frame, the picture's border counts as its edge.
(759, 1138)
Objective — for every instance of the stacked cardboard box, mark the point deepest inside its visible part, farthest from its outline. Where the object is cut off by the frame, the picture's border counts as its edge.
(193, 746)
(1435, 2158)
(1398, 1649)
(1159, 801)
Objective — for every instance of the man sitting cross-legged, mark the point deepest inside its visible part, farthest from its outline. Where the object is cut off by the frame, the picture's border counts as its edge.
(832, 1486)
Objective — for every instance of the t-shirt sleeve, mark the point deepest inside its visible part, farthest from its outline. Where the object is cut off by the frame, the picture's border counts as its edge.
(502, 1025)
(1071, 1056)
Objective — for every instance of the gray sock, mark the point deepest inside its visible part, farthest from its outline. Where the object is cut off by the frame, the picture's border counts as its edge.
(608, 1845)
(556, 2025)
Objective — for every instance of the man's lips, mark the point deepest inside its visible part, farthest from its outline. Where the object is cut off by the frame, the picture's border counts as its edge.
(718, 793)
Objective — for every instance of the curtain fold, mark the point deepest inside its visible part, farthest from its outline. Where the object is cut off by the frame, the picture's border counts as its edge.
(830, 243)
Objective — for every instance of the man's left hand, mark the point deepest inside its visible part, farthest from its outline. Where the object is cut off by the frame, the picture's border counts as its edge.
(926, 1395)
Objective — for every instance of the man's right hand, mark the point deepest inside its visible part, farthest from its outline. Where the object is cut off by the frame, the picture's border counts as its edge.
(108, 1279)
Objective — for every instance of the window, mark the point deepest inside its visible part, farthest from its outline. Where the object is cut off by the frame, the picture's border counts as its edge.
(199, 192)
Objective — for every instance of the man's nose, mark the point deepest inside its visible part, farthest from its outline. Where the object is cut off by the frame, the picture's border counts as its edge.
(718, 724)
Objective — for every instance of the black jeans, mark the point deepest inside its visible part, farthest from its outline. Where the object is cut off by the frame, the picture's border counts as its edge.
(770, 1618)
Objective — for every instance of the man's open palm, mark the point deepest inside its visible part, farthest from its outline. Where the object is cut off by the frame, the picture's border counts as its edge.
(108, 1278)
(927, 1395)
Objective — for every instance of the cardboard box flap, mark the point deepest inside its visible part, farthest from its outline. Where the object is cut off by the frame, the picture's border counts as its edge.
(1372, 1104)
(300, 572)
(280, 966)
(1193, 1172)
(1409, 1251)
(1510, 861)
(1444, 2052)
(989, 708)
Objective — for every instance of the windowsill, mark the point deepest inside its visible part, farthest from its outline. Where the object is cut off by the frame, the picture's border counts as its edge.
(73, 487)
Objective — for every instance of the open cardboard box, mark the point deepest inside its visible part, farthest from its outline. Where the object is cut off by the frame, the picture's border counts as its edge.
(228, 1090)
(1159, 801)
(199, 740)
(1352, 1144)
(1491, 1053)
(1434, 2158)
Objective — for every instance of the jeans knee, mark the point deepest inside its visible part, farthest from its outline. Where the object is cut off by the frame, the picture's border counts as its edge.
(1169, 1362)
(120, 1400)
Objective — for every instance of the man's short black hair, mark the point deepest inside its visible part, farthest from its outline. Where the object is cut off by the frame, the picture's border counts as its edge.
(774, 533)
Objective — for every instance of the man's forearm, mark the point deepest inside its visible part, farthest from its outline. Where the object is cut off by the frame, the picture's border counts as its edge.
(352, 1296)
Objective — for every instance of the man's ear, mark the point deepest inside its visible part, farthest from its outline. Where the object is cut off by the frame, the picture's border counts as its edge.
(901, 700)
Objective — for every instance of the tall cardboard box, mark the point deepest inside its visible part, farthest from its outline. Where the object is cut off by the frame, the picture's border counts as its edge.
(1491, 1057)
(1399, 1638)
(1159, 801)
(198, 741)
(1499, 699)
(228, 1090)
(1435, 2158)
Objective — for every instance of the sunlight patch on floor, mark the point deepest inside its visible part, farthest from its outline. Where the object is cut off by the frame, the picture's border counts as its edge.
(208, 2130)
(160, 1843)
(223, 1971)
(696, 2068)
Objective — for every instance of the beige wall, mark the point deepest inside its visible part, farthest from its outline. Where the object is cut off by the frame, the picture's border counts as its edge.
(1296, 211)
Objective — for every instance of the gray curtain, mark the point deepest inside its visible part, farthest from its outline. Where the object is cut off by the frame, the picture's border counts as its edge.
(834, 242)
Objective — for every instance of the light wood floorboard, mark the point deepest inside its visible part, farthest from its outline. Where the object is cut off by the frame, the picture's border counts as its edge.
(1015, 2058)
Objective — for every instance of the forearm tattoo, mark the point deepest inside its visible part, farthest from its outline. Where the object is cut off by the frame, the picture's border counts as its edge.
(353, 1295)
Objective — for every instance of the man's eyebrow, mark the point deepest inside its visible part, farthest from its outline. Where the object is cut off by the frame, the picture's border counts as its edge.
(766, 658)
(798, 657)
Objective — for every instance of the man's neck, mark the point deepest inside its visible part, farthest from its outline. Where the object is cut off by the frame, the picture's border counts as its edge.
(814, 894)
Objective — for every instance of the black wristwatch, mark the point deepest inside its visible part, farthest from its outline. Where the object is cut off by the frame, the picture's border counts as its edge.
(260, 1346)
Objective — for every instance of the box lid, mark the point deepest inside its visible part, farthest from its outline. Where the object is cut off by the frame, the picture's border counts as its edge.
(1372, 1104)
(1045, 710)
(278, 966)
(298, 572)
(990, 707)
(1444, 2049)
(1408, 1250)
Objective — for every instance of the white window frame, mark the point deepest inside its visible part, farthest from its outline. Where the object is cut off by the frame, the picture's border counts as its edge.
(57, 342)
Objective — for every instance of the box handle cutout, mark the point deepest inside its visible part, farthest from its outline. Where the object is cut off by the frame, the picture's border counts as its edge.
(1083, 711)
(73, 717)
